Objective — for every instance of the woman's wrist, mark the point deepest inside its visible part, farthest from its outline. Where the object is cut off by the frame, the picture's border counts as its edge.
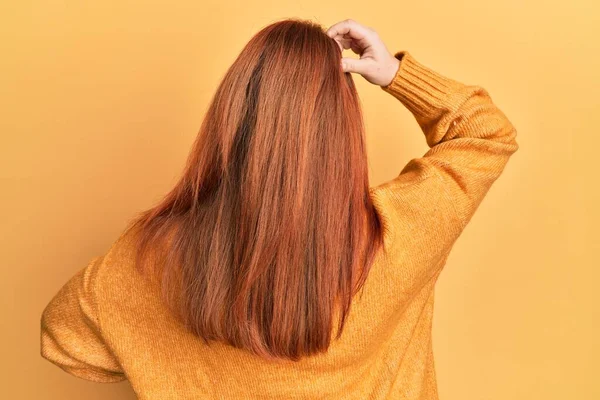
(393, 70)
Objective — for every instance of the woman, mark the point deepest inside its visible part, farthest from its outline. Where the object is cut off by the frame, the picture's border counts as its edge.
(272, 269)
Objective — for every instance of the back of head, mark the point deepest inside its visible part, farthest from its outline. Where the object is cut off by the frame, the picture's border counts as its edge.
(271, 226)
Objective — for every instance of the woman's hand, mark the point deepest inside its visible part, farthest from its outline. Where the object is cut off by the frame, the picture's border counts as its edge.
(376, 64)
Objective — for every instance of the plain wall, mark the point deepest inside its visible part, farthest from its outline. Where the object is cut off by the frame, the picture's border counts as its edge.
(101, 102)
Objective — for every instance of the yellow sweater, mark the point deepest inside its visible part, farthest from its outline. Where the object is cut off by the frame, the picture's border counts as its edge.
(107, 325)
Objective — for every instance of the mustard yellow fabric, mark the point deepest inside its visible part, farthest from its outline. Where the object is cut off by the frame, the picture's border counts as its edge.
(107, 325)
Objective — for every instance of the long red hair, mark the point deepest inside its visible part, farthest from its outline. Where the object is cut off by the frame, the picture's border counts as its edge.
(271, 225)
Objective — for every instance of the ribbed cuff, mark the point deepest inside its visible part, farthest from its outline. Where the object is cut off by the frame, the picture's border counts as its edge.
(422, 90)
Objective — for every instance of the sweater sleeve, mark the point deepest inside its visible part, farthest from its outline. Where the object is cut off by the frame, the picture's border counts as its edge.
(71, 336)
(469, 137)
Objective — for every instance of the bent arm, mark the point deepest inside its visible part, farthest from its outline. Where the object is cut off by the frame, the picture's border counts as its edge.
(70, 335)
(470, 138)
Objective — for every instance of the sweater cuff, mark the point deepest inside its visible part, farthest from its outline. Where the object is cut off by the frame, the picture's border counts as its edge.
(422, 90)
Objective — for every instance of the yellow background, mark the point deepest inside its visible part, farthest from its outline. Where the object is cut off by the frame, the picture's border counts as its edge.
(101, 101)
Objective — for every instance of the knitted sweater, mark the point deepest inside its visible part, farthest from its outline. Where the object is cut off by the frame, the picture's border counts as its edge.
(106, 324)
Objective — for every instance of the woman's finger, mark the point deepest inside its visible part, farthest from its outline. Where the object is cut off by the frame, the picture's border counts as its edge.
(344, 42)
(348, 28)
(355, 65)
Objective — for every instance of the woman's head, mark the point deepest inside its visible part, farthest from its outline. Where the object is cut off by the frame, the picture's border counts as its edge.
(271, 224)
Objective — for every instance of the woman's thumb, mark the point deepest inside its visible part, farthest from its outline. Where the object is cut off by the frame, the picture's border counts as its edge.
(353, 65)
